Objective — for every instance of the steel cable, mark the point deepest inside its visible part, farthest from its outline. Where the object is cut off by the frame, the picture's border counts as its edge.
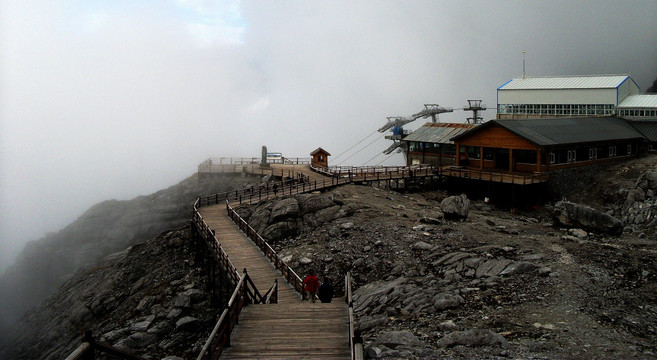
(356, 144)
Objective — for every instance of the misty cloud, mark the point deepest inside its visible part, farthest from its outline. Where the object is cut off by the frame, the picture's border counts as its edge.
(112, 100)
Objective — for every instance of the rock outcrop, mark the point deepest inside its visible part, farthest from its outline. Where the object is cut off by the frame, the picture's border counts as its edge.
(640, 206)
(288, 216)
(577, 215)
(456, 207)
(151, 299)
(105, 228)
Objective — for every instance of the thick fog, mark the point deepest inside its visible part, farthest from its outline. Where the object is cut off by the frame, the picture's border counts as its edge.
(114, 99)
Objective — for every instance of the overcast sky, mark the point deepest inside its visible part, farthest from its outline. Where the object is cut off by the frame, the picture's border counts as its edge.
(114, 99)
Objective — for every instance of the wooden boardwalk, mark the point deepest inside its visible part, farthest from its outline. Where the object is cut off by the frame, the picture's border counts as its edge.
(291, 329)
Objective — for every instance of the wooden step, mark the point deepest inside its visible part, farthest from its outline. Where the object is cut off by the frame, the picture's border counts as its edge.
(291, 329)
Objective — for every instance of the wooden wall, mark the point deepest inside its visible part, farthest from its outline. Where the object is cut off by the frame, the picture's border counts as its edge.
(496, 136)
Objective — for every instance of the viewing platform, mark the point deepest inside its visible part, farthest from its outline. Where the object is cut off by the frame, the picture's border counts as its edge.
(302, 167)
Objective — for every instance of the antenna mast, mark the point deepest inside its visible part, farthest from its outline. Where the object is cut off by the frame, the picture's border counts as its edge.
(523, 64)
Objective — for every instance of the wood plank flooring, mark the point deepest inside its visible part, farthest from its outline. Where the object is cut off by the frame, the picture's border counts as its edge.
(291, 329)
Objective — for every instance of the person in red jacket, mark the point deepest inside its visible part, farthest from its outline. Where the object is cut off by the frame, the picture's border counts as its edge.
(311, 285)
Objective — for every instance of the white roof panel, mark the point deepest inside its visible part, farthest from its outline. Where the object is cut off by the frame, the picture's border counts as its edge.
(639, 101)
(565, 82)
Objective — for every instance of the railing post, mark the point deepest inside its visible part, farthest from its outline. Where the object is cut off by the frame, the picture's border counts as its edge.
(276, 290)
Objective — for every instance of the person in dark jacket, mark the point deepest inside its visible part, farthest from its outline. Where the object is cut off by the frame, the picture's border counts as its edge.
(326, 291)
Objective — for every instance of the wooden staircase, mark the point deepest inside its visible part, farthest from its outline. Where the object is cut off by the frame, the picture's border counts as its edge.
(290, 329)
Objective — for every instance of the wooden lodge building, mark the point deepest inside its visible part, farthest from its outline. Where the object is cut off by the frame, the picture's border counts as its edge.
(431, 144)
(544, 144)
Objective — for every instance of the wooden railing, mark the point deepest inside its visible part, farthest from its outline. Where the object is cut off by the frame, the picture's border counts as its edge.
(204, 231)
(244, 294)
(495, 176)
(87, 350)
(377, 173)
(298, 185)
(286, 271)
(226, 164)
(245, 291)
(357, 174)
(357, 170)
(355, 341)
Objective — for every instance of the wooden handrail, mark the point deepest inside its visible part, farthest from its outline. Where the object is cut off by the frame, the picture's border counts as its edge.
(221, 332)
(271, 296)
(266, 249)
(217, 165)
(88, 348)
(355, 341)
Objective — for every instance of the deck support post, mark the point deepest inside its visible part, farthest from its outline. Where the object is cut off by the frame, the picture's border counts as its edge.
(458, 154)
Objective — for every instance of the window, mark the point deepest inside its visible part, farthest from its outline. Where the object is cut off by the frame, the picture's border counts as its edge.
(602, 152)
(432, 148)
(525, 156)
(612, 151)
(629, 149)
(552, 158)
(593, 153)
(581, 153)
(473, 152)
(561, 156)
(488, 154)
(621, 150)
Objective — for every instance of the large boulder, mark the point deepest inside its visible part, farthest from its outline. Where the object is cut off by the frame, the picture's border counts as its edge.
(474, 337)
(259, 219)
(394, 339)
(311, 203)
(455, 207)
(284, 209)
(577, 215)
(443, 301)
(280, 230)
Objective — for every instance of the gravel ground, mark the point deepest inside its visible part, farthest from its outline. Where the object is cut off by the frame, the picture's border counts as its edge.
(584, 296)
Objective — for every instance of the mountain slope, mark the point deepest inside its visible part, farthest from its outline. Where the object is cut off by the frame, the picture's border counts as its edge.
(107, 227)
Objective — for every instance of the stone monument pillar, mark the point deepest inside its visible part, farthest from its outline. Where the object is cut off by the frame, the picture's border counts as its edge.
(263, 161)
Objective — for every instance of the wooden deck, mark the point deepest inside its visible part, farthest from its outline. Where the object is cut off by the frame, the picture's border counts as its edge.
(291, 329)
(494, 176)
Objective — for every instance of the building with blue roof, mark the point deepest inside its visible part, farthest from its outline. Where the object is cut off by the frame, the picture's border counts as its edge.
(563, 96)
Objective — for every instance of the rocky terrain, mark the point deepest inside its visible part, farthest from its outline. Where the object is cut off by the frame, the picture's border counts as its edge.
(437, 274)
(436, 280)
(153, 299)
(107, 227)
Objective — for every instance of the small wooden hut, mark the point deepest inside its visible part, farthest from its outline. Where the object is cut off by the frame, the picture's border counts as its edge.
(320, 157)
